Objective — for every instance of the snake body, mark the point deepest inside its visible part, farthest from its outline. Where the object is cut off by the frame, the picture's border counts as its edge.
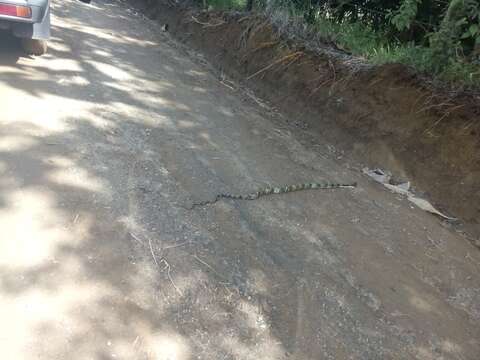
(275, 190)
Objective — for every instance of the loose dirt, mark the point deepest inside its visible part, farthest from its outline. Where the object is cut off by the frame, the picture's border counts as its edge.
(381, 116)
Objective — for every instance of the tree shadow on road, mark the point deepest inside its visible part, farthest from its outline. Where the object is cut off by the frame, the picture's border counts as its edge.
(100, 258)
(96, 262)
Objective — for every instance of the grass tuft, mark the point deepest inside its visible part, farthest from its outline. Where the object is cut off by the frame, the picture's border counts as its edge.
(227, 4)
(372, 45)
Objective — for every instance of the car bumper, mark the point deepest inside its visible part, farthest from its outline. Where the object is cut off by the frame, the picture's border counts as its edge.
(35, 27)
(38, 14)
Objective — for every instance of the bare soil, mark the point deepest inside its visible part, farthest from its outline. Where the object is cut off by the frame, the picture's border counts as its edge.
(381, 116)
(104, 143)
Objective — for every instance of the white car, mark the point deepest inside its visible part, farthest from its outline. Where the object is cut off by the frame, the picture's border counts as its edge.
(28, 20)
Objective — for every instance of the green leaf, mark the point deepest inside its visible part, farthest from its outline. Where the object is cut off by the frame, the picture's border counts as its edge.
(461, 22)
(474, 29)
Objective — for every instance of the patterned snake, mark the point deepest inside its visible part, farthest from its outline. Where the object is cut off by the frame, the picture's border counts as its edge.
(274, 190)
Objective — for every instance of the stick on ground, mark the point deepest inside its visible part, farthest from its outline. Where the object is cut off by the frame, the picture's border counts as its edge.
(298, 53)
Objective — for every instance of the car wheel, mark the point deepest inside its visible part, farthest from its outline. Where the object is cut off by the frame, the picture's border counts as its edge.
(34, 47)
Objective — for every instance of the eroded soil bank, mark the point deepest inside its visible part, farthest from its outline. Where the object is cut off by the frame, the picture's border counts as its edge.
(381, 116)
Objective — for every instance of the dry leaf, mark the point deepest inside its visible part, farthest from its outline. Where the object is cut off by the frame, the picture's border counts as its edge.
(425, 205)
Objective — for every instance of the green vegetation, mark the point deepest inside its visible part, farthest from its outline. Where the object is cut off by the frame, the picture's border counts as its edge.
(227, 4)
(438, 37)
(378, 48)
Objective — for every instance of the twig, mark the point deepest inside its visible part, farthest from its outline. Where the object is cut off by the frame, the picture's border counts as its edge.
(206, 25)
(162, 260)
(314, 91)
(259, 102)
(169, 268)
(175, 246)
(136, 237)
(151, 250)
(421, 97)
(334, 75)
(436, 106)
(374, 82)
(208, 266)
(298, 53)
(226, 85)
(434, 243)
(223, 80)
(314, 80)
(291, 62)
(465, 128)
(261, 26)
(263, 45)
(436, 122)
(455, 108)
(332, 80)
(242, 40)
(244, 18)
(447, 113)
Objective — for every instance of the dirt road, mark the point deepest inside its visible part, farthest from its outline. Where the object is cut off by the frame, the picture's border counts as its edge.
(104, 144)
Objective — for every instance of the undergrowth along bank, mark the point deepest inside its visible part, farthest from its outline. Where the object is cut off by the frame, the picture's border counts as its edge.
(438, 38)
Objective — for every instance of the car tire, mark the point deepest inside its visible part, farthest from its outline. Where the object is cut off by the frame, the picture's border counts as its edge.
(34, 46)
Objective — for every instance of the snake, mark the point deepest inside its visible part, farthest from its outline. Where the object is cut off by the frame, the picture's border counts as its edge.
(274, 191)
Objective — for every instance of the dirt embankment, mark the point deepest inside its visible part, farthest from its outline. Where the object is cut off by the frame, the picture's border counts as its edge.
(382, 116)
